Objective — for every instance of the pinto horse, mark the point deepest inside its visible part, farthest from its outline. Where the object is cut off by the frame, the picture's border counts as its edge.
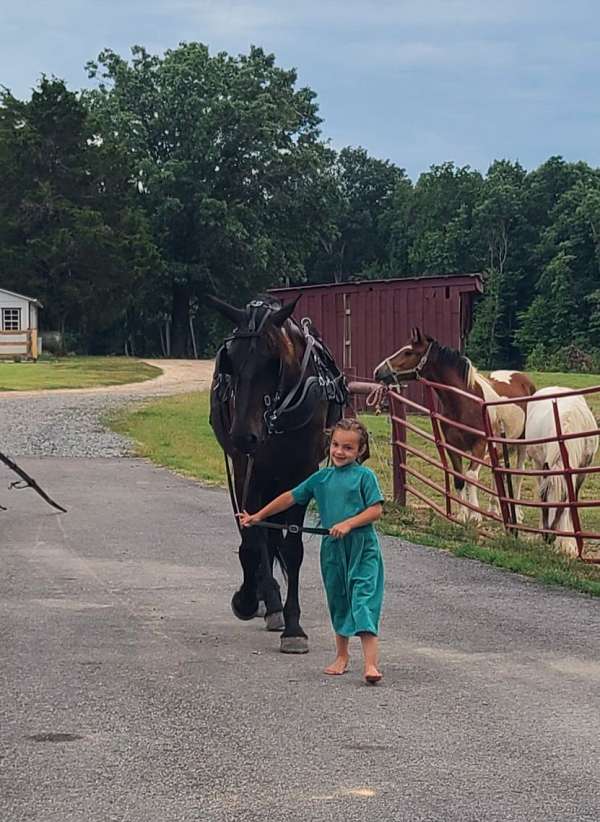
(275, 390)
(424, 357)
(575, 416)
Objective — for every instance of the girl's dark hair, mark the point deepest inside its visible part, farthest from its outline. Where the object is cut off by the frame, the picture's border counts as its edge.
(352, 424)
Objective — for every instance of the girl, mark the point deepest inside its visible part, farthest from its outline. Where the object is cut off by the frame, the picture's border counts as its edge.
(349, 501)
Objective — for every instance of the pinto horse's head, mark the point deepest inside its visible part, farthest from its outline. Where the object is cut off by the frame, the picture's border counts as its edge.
(255, 356)
(406, 363)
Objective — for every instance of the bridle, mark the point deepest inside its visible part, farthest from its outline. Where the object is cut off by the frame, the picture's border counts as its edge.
(282, 401)
(411, 373)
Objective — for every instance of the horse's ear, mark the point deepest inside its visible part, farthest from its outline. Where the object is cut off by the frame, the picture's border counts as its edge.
(236, 315)
(284, 313)
(415, 335)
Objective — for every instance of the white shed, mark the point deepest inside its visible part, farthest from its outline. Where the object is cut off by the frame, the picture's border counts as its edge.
(18, 326)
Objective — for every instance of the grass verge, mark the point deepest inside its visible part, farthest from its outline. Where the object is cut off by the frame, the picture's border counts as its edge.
(73, 372)
(175, 432)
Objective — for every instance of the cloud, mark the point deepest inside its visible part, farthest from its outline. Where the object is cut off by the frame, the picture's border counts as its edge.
(418, 81)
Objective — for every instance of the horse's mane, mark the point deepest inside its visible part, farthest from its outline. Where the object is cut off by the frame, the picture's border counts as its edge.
(443, 355)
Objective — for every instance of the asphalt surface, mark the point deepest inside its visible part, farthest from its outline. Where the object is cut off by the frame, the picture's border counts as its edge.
(128, 691)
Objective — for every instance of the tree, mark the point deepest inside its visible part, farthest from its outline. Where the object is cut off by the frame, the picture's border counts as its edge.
(501, 231)
(68, 234)
(224, 152)
(354, 241)
(439, 223)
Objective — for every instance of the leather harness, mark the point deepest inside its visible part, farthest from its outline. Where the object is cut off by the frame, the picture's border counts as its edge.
(285, 411)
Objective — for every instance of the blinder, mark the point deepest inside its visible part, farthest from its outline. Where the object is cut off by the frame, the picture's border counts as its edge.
(285, 411)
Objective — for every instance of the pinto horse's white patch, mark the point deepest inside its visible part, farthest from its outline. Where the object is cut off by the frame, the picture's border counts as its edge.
(502, 376)
(509, 416)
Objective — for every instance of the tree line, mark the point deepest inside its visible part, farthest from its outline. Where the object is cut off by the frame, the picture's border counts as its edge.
(189, 173)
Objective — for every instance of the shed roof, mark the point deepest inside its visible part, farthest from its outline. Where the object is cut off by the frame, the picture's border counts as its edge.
(21, 296)
(474, 280)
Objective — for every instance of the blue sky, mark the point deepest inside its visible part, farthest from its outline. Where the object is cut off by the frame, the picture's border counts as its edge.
(413, 81)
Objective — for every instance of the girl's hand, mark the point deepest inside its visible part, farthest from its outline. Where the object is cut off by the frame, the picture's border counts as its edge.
(247, 520)
(341, 529)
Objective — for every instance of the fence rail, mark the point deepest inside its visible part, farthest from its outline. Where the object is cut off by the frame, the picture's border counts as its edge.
(409, 479)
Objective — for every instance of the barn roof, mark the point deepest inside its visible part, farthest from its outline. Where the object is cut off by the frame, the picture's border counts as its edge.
(476, 282)
(21, 296)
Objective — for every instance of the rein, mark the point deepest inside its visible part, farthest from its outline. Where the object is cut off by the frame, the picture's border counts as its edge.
(291, 528)
(275, 407)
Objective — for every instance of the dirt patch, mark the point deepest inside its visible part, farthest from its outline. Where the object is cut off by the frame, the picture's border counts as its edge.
(178, 377)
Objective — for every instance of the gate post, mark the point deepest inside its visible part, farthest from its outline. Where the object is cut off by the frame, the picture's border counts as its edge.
(398, 451)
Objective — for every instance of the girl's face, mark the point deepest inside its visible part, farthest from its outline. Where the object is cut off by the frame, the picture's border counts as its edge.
(344, 448)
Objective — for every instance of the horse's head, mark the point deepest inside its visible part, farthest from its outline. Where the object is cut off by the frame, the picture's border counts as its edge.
(406, 363)
(257, 356)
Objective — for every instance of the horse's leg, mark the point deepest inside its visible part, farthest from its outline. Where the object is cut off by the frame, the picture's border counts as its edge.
(517, 453)
(293, 639)
(517, 480)
(268, 586)
(459, 483)
(245, 601)
(543, 488)
(472, 473)
(564, 522)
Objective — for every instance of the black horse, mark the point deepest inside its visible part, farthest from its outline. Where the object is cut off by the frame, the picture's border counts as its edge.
(275, 391)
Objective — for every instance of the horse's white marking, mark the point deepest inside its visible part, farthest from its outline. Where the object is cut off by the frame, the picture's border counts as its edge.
(470, 494)
(502, 376)
(508, 418)
(575, 416)
(386, 363)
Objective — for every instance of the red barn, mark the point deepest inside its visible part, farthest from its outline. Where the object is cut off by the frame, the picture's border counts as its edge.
(363, 322)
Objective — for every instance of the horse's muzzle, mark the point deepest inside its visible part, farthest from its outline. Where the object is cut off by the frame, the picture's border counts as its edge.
(384, 374)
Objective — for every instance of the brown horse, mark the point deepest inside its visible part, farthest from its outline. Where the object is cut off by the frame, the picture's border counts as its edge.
(424, 357)
(275, 390)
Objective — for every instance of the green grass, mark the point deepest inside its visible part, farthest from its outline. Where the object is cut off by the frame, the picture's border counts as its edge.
(175, 432)
(73, 372)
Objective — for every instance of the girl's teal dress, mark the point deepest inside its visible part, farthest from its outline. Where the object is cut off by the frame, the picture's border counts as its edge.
(352, 567)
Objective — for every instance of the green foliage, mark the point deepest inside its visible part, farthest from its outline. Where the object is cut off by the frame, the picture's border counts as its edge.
(69, 234)
(226, 157)
(189, 172)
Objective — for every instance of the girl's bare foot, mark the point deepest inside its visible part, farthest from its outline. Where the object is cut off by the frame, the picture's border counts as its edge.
(338, 667)
(372, 675)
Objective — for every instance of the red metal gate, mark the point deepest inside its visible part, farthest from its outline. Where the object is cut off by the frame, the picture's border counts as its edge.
(411, 481)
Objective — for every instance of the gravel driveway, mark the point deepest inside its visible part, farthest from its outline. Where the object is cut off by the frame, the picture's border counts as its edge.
(67, 422)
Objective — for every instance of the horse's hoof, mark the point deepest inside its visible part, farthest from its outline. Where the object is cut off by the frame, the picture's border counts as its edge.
(245, 616)
(275, 621)
(261, 611)
(294, 645)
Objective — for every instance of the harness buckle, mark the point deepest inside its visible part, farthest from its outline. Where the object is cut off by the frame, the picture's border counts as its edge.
(293, 529)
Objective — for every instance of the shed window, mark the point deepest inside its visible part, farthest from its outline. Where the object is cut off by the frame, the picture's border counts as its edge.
(11, 319)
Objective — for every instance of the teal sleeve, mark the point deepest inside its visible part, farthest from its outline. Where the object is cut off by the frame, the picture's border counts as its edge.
(370, 489)
(304, 492)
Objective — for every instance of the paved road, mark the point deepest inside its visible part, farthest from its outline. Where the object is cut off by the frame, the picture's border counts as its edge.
(115, 631)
